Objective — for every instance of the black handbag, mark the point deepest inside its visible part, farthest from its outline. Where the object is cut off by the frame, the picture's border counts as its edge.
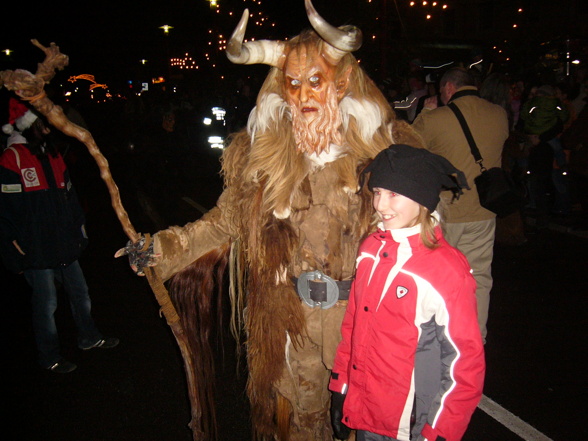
(497, 190)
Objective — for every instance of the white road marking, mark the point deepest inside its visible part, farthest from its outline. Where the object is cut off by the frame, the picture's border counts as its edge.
(511, 421)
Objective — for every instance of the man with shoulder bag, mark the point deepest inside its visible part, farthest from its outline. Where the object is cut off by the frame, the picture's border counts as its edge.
(468, 226)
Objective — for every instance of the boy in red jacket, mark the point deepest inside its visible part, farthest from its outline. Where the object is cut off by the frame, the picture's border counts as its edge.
(410, 333)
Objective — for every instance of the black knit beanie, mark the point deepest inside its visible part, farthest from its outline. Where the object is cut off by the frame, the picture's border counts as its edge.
(415, 173)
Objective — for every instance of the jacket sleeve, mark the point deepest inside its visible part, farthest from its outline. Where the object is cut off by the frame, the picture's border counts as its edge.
(419, 125)
(180, 246)
(10, 202)
(11, 213)
(462, 365)
(339, 375)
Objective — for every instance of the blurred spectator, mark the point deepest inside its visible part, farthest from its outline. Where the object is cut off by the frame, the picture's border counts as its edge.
(576, 140)
(496, 88)
(544, 115)
(407, 108)
(160, 158)
(580, 96)
(540, 167)
(516, 98)
(42, 235)
(562, 92)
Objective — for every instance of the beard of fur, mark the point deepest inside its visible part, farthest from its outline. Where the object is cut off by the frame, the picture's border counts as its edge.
(316, 135)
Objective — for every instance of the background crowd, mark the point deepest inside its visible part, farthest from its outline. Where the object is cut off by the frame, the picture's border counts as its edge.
(546, 150)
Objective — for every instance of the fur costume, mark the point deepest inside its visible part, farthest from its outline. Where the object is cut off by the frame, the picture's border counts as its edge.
(283, 212)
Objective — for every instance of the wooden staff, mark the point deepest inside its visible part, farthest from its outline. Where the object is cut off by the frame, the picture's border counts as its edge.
(30, 87)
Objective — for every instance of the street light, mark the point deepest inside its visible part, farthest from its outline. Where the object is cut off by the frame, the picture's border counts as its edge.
(166, 28)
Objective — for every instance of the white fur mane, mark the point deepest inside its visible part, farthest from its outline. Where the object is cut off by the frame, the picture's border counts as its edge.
(366, 113)
(270, 110)
(272, 107)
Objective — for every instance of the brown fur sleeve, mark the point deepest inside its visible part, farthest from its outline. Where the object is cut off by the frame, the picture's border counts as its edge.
(180, 246)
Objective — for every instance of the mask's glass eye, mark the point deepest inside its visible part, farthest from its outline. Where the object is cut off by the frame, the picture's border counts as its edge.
(295, 83)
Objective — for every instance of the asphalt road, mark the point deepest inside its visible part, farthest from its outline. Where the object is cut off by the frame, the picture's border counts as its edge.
(536, 361)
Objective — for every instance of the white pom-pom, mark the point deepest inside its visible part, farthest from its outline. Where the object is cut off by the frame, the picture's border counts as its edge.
(8, 129)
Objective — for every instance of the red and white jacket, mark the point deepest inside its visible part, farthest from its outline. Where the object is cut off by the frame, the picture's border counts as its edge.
(410, 337)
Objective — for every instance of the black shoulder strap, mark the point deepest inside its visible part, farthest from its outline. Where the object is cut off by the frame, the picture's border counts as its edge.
(467, 133)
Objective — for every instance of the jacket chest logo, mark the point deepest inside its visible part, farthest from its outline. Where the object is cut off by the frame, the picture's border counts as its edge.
(30, 178)
(11, 188)
(401, 291)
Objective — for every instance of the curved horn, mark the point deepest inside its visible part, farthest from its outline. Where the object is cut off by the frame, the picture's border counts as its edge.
(253, 52)
(340, 40)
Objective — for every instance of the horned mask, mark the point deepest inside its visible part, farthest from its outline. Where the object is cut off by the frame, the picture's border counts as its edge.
(340, 41)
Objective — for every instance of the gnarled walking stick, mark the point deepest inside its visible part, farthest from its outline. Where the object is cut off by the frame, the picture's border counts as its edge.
(30, 87)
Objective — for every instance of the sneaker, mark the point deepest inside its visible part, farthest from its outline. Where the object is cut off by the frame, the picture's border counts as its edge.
(62, 367)
(104, 343)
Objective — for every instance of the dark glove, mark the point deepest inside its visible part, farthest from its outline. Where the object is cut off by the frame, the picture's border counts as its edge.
(341, 431)
(140, 254)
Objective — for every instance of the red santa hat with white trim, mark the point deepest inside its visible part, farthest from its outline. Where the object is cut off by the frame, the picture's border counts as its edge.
(19, 115)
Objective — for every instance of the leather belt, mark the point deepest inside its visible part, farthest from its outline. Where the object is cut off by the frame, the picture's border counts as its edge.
(318, 289)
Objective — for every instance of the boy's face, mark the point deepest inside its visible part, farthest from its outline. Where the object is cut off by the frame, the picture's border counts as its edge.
(395, 211)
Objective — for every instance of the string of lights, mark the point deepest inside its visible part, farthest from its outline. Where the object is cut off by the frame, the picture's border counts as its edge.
(429, 8)
(504, 28)
(217, 40)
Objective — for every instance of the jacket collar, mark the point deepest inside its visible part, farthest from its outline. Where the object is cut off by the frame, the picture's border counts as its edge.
(402, 233)
(464, 91)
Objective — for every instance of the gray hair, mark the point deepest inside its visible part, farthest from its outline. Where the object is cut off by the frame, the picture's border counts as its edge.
(458, 76)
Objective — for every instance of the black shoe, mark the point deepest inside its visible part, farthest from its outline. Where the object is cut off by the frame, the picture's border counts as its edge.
(62, 367)
(104, 343)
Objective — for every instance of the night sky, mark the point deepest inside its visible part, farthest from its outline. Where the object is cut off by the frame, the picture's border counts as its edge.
(109, 38)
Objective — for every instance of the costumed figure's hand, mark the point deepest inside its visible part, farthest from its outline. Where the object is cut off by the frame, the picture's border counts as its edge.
(140, 254)
(341, 431)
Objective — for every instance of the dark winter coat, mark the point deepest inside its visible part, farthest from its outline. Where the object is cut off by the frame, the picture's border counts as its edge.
(39, 209)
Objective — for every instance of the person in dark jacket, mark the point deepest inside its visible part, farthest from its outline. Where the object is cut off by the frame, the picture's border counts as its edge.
(411, 342)
(42, 235)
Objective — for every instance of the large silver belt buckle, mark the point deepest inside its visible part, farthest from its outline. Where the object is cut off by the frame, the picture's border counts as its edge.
(303, 287)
